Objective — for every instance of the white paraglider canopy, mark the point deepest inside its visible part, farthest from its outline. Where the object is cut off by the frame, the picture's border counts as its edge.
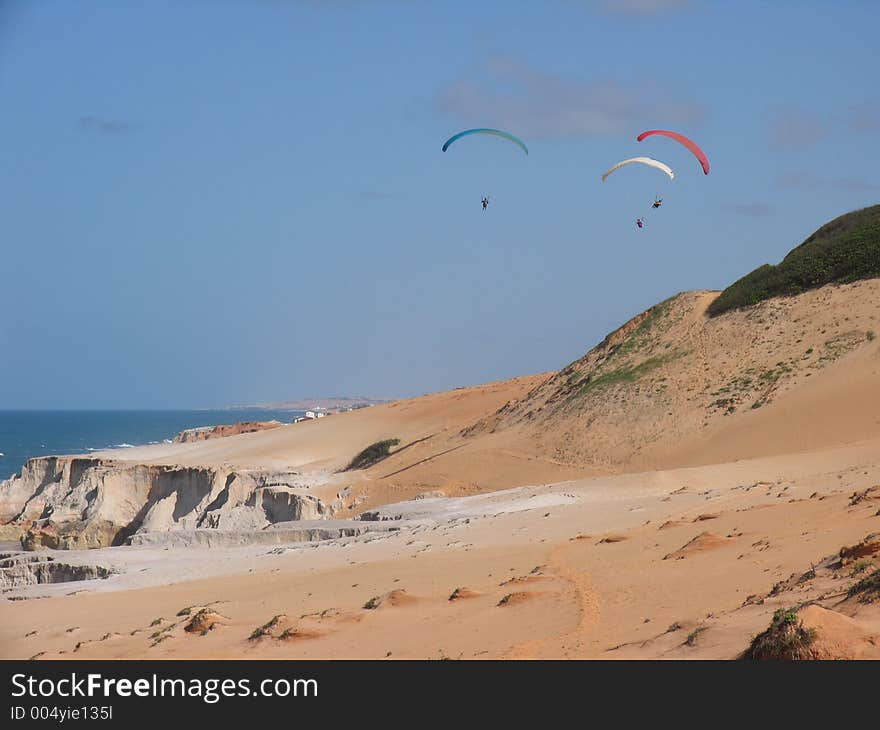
(643, 160)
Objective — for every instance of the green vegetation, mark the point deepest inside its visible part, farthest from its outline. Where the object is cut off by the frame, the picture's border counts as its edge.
(746, 384)
(162, 634)
(373, 454)
(867, 588)
(625, 374)
(267, 628)
(860, 567)
(771, 375)
(838, 346)
(642, 335)
(786, 638)
(610, 369)
(846, 249)
(694, 635)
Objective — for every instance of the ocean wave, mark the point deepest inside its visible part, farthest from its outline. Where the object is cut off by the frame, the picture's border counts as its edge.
(123, 446)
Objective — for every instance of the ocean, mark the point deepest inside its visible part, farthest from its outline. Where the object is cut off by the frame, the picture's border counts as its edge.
(26, 434)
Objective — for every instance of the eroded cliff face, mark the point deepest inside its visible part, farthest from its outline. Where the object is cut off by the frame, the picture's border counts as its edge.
(20, 570)
(82, 502)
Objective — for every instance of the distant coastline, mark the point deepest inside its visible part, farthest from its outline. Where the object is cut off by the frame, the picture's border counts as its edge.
(27, 434)
(340, 403)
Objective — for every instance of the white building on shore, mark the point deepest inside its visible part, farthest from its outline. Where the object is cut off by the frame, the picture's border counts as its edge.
(319, 412)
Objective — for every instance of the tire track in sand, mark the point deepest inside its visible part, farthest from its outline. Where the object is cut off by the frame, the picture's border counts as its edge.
(583, 595)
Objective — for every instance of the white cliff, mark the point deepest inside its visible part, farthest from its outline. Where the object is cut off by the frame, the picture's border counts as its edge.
(74, 502)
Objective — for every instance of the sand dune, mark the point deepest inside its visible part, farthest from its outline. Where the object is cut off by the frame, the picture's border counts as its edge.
(670, 388)
(560, 596)
(664, 496)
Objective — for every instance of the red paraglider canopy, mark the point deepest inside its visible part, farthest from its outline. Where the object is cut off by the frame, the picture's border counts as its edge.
(680, 138)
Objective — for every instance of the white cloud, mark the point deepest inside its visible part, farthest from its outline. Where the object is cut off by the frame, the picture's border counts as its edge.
(508, 92)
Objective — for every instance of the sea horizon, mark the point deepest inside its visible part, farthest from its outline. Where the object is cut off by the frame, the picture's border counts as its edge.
(29, 433)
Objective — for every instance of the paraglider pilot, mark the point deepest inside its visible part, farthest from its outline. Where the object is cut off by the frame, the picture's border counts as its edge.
(657, 202)
(485, 203)
(640, 223)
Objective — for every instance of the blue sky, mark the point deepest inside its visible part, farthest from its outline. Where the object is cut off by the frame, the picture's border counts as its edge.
(208, 202)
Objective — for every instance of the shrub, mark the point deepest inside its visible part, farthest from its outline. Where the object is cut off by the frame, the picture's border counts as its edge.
(846, 249)
(267, 628)
(373, 454)
(786, 638)
(867, 589)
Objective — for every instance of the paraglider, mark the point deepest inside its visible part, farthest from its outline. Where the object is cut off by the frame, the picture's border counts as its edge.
(681, 139)
(643, 160)
(495, 132)
(658, 201)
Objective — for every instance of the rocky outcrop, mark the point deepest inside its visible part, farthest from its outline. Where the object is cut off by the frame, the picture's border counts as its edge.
(203, 433)
(21, 569)
(309, 531)
(68, 536)
(85, 502)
